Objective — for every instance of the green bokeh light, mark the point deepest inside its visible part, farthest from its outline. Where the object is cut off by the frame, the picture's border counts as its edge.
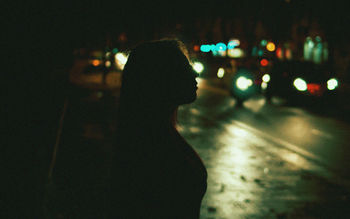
(263, 42)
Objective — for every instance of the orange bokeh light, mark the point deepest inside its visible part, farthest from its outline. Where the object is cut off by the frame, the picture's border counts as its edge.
(196, 48)
(279, 53)
(96, 62)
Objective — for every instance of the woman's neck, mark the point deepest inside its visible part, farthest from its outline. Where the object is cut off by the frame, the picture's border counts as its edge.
(164, 116)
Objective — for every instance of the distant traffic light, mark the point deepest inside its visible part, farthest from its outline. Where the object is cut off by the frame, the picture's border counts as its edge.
(264, 62)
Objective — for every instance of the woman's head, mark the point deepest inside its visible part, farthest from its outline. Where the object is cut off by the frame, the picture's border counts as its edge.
(158, 74)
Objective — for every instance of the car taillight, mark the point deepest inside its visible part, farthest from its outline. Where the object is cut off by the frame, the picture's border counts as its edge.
(314, 89)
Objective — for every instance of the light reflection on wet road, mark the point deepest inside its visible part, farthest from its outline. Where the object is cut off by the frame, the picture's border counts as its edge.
(263, 161)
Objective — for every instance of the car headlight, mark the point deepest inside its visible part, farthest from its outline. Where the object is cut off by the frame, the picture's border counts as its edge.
(332, 84)
(266, 78)
(263, 85)
(220, 73)
(300, 84)
(198, 67)
(243, 83)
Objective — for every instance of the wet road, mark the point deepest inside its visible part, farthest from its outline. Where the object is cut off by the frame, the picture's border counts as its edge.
(263, 161)
(267, 161)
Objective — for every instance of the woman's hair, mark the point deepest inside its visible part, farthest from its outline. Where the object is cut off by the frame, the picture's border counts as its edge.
(145, 92)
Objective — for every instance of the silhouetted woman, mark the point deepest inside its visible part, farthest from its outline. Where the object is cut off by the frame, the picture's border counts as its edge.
(156, 173)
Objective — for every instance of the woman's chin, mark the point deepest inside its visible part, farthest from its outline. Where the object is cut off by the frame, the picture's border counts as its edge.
(190, 99)
(185, 98)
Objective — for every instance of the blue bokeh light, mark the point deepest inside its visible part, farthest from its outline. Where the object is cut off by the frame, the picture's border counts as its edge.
(221, 47)
(205, 48)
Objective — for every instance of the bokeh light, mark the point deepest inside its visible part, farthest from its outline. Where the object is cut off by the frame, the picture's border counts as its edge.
(196, 48)
(198, 67)
(221, 72)
(264, 62)
(332, 84)
(263, 85)
(243, 83)
(120, 60)
(96, 62)
(108, 64)
(270, 46)
(300, 84)
(263, 42)
(266, 78)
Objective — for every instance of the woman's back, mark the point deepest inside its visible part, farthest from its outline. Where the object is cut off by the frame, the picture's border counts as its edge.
(159, 176)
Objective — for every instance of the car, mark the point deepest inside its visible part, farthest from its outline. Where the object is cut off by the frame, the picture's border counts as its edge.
(243, 77)
(301, 81)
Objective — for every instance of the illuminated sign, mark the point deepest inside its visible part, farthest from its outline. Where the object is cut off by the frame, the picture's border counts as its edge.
(233, 43)
(213, 47)
(220, 46)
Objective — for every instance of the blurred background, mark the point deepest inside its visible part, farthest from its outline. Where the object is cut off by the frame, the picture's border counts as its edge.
(271, 121)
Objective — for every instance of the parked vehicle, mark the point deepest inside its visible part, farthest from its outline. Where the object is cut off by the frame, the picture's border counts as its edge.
(301, 80)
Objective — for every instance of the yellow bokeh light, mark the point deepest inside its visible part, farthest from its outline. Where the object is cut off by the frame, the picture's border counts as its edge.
(108, 64)
(270, 46)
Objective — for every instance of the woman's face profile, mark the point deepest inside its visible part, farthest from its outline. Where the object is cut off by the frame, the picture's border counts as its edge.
(183, 83)
(159, 72)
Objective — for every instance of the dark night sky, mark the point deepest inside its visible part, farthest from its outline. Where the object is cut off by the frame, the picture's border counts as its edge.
(51, 31)
(76, 23)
